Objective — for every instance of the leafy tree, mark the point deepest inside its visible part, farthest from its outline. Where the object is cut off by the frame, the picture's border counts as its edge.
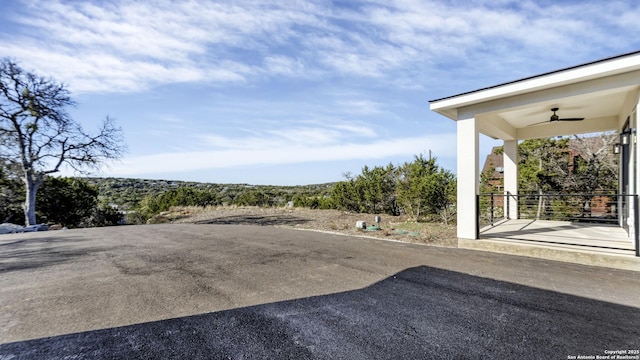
(373, 191)
(412, 184)
(543, 165)
(67, 201)
(543, 168)
(345, 196)
(254, 198)
(70, 202)
(313, 202)
(11, 196)
(420, 188)
(105, 215)
(446, 204)
(38, 136)
(377, 189)
(426, 189)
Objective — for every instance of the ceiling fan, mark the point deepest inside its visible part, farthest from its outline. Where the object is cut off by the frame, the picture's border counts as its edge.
(555, 118)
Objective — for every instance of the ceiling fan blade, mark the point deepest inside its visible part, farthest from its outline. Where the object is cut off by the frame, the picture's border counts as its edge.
(539, 123)
(571, 119)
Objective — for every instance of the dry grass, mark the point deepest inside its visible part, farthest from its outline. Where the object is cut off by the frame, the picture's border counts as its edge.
(396, 228)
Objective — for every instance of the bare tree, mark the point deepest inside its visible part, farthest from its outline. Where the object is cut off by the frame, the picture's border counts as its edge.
(594, 168)
(37, 136)
(602, 169)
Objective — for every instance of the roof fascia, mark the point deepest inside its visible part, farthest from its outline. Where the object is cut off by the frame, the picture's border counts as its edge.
(599, 69)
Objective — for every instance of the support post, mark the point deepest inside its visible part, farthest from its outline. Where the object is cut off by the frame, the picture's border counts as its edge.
(510, 167)
(468, 178)
(636, 221)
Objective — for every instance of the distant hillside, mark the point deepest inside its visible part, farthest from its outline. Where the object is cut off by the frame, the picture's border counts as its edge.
(126, 193)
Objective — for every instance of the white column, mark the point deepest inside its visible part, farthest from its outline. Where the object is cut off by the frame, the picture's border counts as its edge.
(510, 164)
(468, 178)
(634, 172)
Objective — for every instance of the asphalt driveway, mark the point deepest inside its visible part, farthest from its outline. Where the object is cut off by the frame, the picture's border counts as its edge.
(244, 292)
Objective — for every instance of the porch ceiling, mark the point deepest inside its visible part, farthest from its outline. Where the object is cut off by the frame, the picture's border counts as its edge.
(597, 91)
(601, 110)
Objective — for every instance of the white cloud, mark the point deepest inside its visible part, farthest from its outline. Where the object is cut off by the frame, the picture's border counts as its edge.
(248, 155)
(125, 46)
(507, 36)
(361, 106)
(356, 130)
(290, 137)
(282, 65)
(128, 46)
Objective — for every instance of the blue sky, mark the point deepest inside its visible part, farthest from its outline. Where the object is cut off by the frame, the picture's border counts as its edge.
(292, 91)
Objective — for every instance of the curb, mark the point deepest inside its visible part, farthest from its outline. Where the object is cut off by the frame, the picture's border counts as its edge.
(571, 254)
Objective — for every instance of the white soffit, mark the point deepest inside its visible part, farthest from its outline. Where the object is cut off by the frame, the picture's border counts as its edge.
(589, 106)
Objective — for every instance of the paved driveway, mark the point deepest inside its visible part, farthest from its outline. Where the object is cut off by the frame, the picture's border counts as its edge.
(243, 292)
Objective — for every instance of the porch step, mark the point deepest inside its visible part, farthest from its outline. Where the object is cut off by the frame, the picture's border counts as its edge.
(611, 258)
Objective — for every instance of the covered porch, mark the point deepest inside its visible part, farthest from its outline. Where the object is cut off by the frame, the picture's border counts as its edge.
(586, 244)
(610, 239)
(595, 97)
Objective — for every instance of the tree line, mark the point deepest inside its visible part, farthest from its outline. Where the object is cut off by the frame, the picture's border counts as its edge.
(419, 188)
(69, 202)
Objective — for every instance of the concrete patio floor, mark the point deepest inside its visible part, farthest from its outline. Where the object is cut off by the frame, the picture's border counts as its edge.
(588, 244)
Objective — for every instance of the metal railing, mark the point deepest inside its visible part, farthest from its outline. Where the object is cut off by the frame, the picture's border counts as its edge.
(603, 208)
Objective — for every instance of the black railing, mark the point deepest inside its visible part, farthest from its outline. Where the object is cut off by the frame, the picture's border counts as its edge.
(492, 208)
(585, 208)
(593, 208)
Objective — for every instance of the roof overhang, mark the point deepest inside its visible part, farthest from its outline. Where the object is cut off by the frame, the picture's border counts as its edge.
(598, 91)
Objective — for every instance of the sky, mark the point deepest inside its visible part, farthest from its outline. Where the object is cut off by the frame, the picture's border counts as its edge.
(294, 92)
